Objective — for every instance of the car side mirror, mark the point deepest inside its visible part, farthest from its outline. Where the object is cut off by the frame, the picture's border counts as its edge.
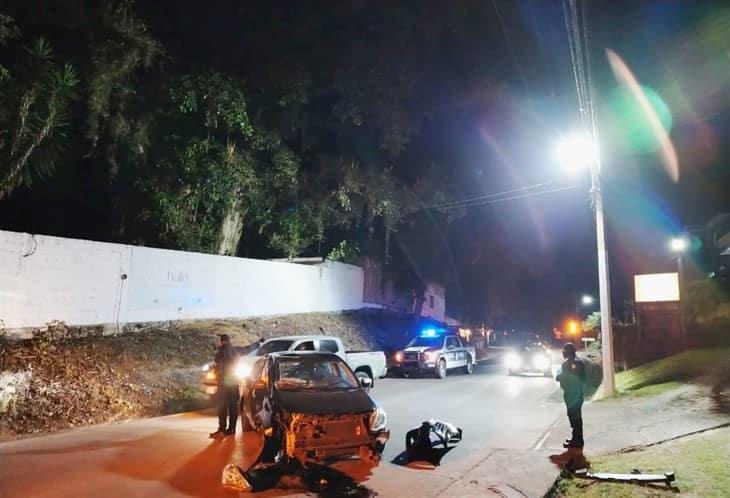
(366, 382)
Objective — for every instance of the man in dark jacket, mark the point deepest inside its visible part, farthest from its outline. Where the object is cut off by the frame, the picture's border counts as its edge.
(227, 394)
(572, 377)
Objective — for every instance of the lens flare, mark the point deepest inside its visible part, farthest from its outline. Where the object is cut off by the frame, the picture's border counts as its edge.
(633, 126)
(625, 77)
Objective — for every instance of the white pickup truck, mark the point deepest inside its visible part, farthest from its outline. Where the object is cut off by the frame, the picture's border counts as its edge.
(369, 364)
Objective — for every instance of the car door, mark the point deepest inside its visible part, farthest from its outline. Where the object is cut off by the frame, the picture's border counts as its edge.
(304, 346)
(331, 345)
(453, 352)
(463, 350)
(258, 396)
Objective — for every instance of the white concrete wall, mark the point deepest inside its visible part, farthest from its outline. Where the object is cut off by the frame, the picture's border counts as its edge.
(80, 282)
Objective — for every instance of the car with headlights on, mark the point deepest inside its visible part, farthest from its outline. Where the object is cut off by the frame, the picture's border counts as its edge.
(310, 406)
(530, 358)
(370, 364)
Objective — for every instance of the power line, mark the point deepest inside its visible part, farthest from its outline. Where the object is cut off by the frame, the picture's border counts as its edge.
(512, 198)
(510, 47)
(489, 196)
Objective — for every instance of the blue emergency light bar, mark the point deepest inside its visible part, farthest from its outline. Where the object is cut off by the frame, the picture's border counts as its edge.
(431, 332)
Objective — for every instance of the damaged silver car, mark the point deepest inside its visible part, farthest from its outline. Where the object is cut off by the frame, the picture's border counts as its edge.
(310, 406)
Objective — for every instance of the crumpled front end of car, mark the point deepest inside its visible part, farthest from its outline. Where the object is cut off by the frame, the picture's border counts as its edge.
(319, 437)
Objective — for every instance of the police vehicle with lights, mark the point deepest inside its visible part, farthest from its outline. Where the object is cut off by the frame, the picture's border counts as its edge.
(435, 351)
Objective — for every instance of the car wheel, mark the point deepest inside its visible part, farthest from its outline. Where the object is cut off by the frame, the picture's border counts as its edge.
(469, 367)
(441, 369)
(405, 375)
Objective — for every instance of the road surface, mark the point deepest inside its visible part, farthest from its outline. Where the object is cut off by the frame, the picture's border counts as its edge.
(173, 457)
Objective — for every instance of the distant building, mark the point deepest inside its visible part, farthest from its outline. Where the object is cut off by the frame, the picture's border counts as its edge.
(434, 302)
(380, 292)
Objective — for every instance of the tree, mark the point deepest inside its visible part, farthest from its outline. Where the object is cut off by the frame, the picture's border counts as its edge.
(591, 326)
(120, 45)
(34, 111)
(213, 170)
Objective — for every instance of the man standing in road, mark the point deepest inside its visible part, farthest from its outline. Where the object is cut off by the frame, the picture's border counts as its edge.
(227, 394)
(572, 377)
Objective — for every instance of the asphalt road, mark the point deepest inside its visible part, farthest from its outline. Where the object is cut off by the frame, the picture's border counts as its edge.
(172, 456)
(493, 409)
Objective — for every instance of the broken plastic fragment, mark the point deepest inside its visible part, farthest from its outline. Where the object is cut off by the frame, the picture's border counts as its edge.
(233, 478)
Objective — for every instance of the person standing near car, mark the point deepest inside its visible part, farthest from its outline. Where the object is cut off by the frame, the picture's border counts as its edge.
(572, 377)
(227, 394)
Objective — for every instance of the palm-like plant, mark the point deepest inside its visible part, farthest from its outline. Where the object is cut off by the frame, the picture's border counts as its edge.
(34, 116)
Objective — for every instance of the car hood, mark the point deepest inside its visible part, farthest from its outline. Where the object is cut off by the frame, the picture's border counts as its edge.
(417, 349)
(533, 352)
(325, 402)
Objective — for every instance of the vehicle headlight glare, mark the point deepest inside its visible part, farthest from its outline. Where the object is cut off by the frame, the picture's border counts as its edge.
(399, 357)
(512, 361)
(242, 370)
(541, 362)
(430, 355)
(378, 419)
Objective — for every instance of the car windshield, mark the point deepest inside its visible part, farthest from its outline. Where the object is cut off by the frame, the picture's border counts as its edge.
(430, 342)
(295, 374)
(273, 347)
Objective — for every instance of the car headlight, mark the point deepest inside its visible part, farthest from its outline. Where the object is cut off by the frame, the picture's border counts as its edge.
(399, 357)
(378, 419)
(210, 375)
(513, 361)
(206, 367)
(430, 355)
(243, 368)
(541, 362)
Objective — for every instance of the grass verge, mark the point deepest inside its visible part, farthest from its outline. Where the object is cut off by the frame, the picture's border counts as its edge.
(668, 373)
(700, 463)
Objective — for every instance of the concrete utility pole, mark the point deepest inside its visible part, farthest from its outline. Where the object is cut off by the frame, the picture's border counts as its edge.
(604, 284)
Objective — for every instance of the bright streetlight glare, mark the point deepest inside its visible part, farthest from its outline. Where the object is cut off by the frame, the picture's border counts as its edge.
(679, 244)
(586, 299)
(576, 152)
(573, 327)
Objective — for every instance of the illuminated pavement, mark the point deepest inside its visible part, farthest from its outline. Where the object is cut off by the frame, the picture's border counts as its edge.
(506, 421)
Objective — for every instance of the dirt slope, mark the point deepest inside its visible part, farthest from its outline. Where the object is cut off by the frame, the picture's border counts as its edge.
(54, 381)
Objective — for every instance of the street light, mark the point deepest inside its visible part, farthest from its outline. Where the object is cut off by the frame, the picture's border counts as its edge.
(586, 300)
(576, 151)
(679, 244)
(573, 327)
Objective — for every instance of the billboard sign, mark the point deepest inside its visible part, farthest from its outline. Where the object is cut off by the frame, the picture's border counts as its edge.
(656, 287)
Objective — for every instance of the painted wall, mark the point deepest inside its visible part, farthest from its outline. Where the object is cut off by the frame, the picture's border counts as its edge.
(82, 282)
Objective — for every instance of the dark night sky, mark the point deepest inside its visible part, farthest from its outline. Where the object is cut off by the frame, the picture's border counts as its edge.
(525, 260)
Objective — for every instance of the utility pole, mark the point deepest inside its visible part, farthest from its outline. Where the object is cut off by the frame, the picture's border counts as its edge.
(604, 287)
